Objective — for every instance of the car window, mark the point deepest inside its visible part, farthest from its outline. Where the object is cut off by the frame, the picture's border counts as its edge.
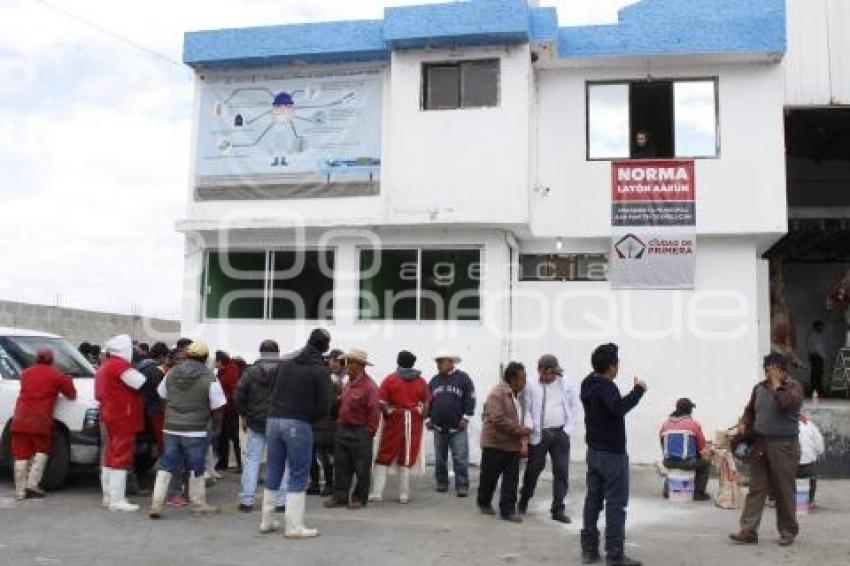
(8, 368)
(22, 351)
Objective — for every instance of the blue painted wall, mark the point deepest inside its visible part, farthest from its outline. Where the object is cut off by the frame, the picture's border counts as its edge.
(650, 27)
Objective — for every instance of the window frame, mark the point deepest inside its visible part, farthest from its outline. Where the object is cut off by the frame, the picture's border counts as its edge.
(419, 249)
(267, 284)
(423, 94)
(717, 142)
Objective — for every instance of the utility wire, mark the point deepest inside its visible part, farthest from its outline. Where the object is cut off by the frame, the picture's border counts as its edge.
(114, 35)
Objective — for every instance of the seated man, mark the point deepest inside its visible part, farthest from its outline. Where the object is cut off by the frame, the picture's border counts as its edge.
(682, 442)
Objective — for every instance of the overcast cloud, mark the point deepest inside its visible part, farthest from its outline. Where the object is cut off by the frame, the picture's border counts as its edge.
(94, 140)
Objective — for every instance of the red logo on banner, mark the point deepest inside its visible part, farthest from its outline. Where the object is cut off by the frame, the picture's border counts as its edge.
(653, 181)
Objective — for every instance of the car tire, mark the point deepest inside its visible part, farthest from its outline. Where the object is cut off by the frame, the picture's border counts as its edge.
(59, 463)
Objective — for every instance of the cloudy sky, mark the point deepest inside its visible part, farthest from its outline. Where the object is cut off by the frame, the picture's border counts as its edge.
(94, 139)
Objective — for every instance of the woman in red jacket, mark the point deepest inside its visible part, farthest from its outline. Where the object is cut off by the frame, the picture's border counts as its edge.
(32, 423)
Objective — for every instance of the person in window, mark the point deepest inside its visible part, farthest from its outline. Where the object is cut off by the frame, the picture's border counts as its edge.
(32, 423)
(644, 146)
(452, 406)
(502, 439)
(682, 455)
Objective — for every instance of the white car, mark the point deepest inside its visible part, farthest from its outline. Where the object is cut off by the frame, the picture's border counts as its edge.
(76, 437)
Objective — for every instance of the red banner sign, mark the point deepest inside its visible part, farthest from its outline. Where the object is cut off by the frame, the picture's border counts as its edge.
(653, 181)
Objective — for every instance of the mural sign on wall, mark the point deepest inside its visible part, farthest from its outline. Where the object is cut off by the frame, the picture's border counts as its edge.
(653, 216)
(290, 127)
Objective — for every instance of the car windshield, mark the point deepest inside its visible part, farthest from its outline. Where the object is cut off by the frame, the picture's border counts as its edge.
(22, 350)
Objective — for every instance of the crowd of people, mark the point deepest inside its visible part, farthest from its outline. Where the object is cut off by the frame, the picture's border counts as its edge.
(316, 413)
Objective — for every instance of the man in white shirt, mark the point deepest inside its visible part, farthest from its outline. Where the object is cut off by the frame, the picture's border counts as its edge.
(816, 346)
(811, 448)
(551, 412)
(193, 396)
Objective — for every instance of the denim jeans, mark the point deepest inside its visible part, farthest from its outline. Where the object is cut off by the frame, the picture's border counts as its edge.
(290, 445)
(255, 445)
(458, 443)
(608, 487)
(557, 445)
(186, 450)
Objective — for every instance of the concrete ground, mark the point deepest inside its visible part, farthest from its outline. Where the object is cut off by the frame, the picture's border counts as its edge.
(69, 528)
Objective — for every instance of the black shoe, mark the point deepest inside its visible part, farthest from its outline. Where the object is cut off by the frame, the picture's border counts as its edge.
(237, 470)
(513, 518)
(442, 488)
(590, 558)
(561, 518)
(623, 561)
(280, 509)
(314, 489)
(246, 508)
(701, 497)
(486, 510)
(522, 506)
(328, 490)
(462, 492)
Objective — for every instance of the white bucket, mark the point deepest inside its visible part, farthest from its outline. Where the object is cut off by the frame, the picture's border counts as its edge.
(681, 485)
(803, 490)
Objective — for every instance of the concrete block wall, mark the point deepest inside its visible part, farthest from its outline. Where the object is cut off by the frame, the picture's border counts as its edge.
(80, 325)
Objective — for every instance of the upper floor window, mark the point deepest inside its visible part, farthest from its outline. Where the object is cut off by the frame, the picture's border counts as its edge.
(460, 84)
(652, 119)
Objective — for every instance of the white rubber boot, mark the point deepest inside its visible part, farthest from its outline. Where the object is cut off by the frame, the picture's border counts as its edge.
(198, 496)
(104, 485)
(379, 481)
(39, 464)
(404, 484)
(294, 518)
(118, 492)
(268, 524)
(160, 492)
(21, 479)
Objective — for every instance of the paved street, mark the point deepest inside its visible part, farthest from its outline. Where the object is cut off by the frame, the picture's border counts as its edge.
(70, 529)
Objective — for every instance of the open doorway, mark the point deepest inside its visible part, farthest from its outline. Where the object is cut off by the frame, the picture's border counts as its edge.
(810, 266)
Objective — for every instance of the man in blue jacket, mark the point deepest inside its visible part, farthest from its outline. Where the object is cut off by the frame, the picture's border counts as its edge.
(607, 461)
(452, 406)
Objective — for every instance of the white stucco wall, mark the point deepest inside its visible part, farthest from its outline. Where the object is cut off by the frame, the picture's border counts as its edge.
(742, 191)
(701, 344)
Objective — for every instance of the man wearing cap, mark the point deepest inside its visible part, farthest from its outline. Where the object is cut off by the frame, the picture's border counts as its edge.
(300, 398)
(192, 397)
(252, 398)
(551, 412)
(772, 419)
(32, 422)
(123, 417)
(404, 400)
(452, 406)
(324, 431)
(687, 454)
(359, 417)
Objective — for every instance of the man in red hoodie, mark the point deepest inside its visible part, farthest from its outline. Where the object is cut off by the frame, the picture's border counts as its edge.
(32, 423)
(229, 373)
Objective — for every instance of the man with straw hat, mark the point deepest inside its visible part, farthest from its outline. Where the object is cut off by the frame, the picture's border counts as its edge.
(359, 416)
(452, 406)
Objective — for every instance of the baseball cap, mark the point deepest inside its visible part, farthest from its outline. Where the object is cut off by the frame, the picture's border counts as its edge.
(549, 361)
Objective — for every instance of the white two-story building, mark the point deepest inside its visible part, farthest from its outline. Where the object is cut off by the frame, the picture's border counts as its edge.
(448, 176)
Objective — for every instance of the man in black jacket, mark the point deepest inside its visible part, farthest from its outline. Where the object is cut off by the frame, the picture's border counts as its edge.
(607, 461)
(252, 398)
(300, 397)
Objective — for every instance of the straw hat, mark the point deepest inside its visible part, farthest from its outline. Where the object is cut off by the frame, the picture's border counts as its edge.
(446, 354)
(355, 355)
(197, 349)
